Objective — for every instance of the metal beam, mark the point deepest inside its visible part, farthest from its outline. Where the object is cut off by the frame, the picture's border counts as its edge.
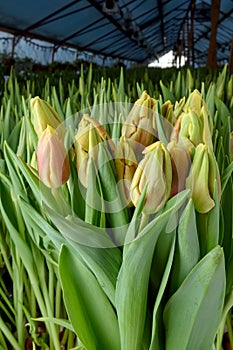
(160, 8)
(41, 21)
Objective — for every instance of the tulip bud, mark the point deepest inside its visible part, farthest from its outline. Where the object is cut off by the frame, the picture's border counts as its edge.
(191, 128)
(180, 166)
(45, 115)
(168, 113)
(194, 102)
(126, 164)
(53, 163)
(155, 171)
(90, 133)
(203, 173)
(139, 125)
(179, 107)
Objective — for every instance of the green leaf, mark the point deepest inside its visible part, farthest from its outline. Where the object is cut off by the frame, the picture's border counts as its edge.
(192, 314)
(226, 176)
(212, 225)
(157, 327)
(162, 124)
(167, 94)
(187, 248)
(89, 310)
(223, 111)
(89, 242)
(210, 100)
(133, 279)
(59, 321)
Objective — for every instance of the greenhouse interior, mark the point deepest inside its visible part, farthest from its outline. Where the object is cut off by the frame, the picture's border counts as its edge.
(116, 175)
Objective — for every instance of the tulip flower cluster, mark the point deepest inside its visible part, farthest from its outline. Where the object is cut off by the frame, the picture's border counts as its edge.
(140, 158)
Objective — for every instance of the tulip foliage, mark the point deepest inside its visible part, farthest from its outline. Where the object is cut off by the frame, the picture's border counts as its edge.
(119, 217)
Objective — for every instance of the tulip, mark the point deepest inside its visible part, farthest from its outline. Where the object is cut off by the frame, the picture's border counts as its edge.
(90, 133)
(194, 102)
(203, 174)
(168, 113)
(192, 129)
(181, 162)
(126, 164)
(139, 125)
(53, 163)
(154, 171)
(45, 115)
(179, 107)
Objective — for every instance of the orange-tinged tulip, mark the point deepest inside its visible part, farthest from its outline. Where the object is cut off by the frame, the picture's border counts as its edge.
(139, 125)
(90, 133)
(126, 164)
(180, 166)
(53, 163)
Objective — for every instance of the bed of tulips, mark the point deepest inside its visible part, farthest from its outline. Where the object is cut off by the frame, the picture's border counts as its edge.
(117, 215)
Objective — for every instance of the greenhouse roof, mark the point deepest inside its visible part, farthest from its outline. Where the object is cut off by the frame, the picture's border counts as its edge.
(134, 30)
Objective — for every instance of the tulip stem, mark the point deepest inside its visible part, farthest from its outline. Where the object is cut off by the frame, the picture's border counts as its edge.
(60, 200)
(227, 308)
(144, 221)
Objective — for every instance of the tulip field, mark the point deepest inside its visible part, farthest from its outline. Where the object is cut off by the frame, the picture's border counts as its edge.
(116, 210)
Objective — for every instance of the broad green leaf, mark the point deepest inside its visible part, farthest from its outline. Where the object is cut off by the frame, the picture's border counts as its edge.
(95, 248)
(163, 126)
(90, 312)
(220, 84)
(187, 248)
(192, 314)
(223, 111)
(59, 321)
(167, 94)
(177, 86)
(133, 279)
(157, 339)
(226, 176)
(210, 100)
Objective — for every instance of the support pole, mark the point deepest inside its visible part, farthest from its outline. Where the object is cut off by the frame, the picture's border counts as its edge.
(212, 53)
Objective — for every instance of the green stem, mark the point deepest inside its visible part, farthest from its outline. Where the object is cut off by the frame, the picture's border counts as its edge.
(144, 221)
(48, 312)
(229, 328)
(226, 309)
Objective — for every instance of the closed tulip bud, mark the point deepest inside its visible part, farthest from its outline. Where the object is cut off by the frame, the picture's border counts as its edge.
(180, 167)
(179, 107)
(126, 164)
(168, 113)
(53, 163)
(203, 174)
(90, 133)
(139, 125)
(194, 102)
(188, 130)
(154, 171)
(43, 115)
(191, 127)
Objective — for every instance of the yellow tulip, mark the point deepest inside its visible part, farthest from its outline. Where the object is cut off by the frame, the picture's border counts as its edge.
(155, 171)
(43, 115)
